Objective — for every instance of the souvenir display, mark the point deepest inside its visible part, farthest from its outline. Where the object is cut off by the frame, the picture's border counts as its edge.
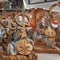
(26, 33)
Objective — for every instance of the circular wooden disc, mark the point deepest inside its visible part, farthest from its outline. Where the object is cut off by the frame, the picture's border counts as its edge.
(24, 47)
(50, 32)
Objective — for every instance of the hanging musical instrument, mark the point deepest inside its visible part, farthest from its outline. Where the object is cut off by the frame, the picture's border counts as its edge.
(56, 17)
(25, 45)
(50, 32)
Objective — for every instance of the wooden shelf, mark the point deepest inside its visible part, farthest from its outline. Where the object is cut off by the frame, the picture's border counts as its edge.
(15, 57)
(41, 47)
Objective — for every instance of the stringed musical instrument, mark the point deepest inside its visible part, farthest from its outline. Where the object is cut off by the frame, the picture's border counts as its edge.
(49, 31)
(56, 17)
(25, 45)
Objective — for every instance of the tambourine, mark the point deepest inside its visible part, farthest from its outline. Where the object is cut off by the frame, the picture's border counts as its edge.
(50, 33)
(25, 46)
(19, 19)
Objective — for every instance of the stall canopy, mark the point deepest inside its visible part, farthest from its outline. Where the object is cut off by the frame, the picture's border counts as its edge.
(45, 4)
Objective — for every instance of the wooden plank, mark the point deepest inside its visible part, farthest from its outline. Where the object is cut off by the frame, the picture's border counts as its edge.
(46, 50)
(44, 44)
(16, 57)
(41, 47)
